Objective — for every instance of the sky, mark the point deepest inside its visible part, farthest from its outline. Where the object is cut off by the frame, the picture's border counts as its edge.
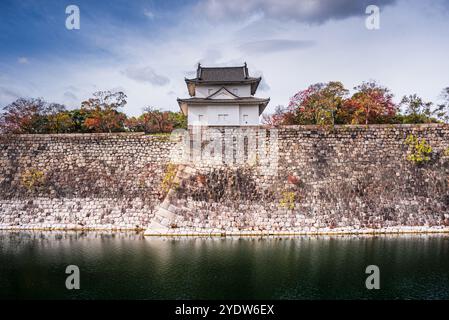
(146, 48)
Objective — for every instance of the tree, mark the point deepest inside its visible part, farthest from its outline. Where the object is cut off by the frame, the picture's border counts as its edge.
(60, 122)
(101, 111)
(22, 116)
(318, 104)
(29, 115)
(178, 120)
(416, 110)
(281, 116)
(135, 124)
(105, 100)
(371, 103)
(78, 118)
(442, 111)
(156, 121)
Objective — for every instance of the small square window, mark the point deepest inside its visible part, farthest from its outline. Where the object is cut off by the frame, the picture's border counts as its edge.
(210, 91)
(235, 91)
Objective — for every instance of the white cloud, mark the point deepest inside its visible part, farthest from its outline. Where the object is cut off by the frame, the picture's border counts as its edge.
(310, 11)
(146, 74)
(151, 70)
(23, 60)
(70, 95)
(274, 45)
(148, 13)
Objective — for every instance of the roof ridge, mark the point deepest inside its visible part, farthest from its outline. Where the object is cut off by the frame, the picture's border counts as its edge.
(221, 67)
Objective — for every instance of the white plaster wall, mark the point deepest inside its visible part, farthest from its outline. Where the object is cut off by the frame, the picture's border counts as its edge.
(252, 112)
(231, 110)
(235, 114)
(193, 115)
(203, 91)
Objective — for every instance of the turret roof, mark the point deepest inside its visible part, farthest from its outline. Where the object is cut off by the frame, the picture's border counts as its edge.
(224, 75)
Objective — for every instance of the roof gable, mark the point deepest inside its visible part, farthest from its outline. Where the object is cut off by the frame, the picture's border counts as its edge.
(222, 93)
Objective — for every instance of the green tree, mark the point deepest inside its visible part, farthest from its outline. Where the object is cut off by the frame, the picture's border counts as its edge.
(178, 120)
(442, 111)
(416, 110)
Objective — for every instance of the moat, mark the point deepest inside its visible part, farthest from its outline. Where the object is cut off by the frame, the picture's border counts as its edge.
(130, 266)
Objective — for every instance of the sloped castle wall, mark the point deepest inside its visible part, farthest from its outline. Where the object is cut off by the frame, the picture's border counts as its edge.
(288, 180)
(341, 179)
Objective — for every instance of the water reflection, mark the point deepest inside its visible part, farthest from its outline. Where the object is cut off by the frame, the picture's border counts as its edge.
(128, 265)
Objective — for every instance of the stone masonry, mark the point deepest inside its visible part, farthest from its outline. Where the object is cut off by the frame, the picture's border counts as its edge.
(82, 181)
(292, 180)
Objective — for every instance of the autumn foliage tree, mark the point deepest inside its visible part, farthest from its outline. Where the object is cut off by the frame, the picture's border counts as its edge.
(156, 121)
(101, 111)
(28, 115)
(318, 104)
(281, 116)
(329, 104)
(371, 103)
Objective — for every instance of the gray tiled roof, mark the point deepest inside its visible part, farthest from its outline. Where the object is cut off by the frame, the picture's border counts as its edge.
(223, 74)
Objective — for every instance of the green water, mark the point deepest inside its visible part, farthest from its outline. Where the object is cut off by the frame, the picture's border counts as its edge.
(130, 266)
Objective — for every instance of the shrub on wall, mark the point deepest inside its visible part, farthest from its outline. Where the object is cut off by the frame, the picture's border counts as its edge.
(32, 178)
(288, 200)
(169, 177)
(420, 149)
(446, 152)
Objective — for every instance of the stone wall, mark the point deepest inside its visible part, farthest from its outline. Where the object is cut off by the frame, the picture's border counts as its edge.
(325, 180)
(290, 180)
(98, 181)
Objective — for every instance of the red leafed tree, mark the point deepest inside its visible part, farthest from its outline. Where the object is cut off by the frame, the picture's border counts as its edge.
(28, 115)
(318, 104)
(156, 121)
(371, 103)
(281, 116)
(102, 113)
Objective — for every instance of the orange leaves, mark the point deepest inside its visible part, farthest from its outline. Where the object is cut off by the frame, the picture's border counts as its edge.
(328, 104)
(371, 103)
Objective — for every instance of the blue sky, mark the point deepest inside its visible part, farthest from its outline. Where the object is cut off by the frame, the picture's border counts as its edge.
(146, 48)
